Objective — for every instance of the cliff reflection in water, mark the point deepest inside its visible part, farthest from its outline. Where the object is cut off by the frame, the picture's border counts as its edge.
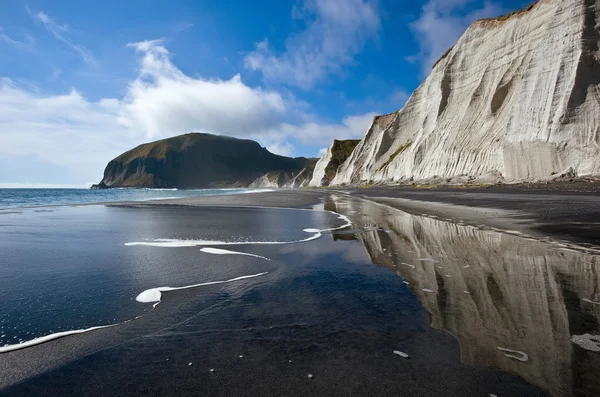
(515, 304)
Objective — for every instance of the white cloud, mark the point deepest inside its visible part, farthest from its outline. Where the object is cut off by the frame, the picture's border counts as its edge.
(69, 132)
(65, 130)
(322, 151)
(441, 24)
(314, 133)
(164, 101)
(61, 33)
(335, 31)
(281, 148)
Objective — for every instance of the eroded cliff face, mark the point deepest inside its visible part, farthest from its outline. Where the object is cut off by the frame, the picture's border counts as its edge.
(516, 98)
(328, 164)
(278, 179)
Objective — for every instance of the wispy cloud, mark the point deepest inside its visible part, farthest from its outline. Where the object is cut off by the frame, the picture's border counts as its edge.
(62, 33)
(334, 32)
(442, 22)
(27, 44)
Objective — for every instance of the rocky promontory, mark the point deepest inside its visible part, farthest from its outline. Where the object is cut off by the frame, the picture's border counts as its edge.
(198, 160)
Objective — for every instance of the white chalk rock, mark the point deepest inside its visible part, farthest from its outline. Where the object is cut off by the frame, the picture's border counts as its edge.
(514, 99)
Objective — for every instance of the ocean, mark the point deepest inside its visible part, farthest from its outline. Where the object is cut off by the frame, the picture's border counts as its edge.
(18, 198)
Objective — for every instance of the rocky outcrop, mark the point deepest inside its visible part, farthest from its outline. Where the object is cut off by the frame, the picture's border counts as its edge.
(329, 163)
(279, 179)
(522, 306)
(197, 161)
(516, 99)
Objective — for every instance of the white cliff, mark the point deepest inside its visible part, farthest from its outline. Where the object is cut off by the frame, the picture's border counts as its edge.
(517, 98)
(263, 182)
(277, 179)
(327, 166)
(319, 172)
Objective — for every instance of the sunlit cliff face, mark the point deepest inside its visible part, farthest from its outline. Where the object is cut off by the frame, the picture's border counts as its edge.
(513, 303)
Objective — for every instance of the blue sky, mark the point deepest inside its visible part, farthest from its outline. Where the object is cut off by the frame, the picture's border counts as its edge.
(81, 82)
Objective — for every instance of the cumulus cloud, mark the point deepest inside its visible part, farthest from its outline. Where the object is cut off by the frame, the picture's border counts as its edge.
(335, 31)
(441, 23)
(164, 101)
(79, 135)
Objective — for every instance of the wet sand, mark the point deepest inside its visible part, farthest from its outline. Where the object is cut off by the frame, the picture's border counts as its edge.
(282, 198)
(566, 212)
(327, 311)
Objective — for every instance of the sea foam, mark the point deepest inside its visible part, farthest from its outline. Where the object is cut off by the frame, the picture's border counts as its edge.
(155, 294)
(218, 251)
(47, 338)
(179, 243)
(148, 296)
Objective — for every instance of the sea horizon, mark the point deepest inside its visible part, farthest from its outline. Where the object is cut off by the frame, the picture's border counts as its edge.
(11, 198)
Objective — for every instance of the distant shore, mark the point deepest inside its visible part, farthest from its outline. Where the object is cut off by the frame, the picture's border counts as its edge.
(568, 211)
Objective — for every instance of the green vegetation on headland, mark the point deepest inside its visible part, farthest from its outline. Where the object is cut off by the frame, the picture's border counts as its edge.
(198, 160)
(340, 151)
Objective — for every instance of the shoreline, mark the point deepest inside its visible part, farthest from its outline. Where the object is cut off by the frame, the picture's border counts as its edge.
(566, 213)
(563, 217)
(21, 365)
(76, 344)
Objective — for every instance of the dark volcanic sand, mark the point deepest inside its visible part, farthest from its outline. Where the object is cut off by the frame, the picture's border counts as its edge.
(564, 211)
(329, 310)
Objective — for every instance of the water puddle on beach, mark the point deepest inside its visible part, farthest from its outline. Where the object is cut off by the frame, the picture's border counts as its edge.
(521, 306)
(258, 299)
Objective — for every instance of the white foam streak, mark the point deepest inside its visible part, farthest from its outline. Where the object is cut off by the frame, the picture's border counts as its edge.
(47, 338)
(179, 243)
(155, 294)
(218, 251)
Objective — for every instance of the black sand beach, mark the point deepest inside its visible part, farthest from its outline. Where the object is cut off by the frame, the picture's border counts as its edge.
(564, 211)
(477, 311)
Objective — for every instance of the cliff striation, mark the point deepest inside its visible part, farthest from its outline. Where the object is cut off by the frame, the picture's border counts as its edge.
(329, 163)
(516, 99)
(198, 161)
(279, 179)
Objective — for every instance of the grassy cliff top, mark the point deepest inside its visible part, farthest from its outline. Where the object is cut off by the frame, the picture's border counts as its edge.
(159, 149)
(340, 151)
